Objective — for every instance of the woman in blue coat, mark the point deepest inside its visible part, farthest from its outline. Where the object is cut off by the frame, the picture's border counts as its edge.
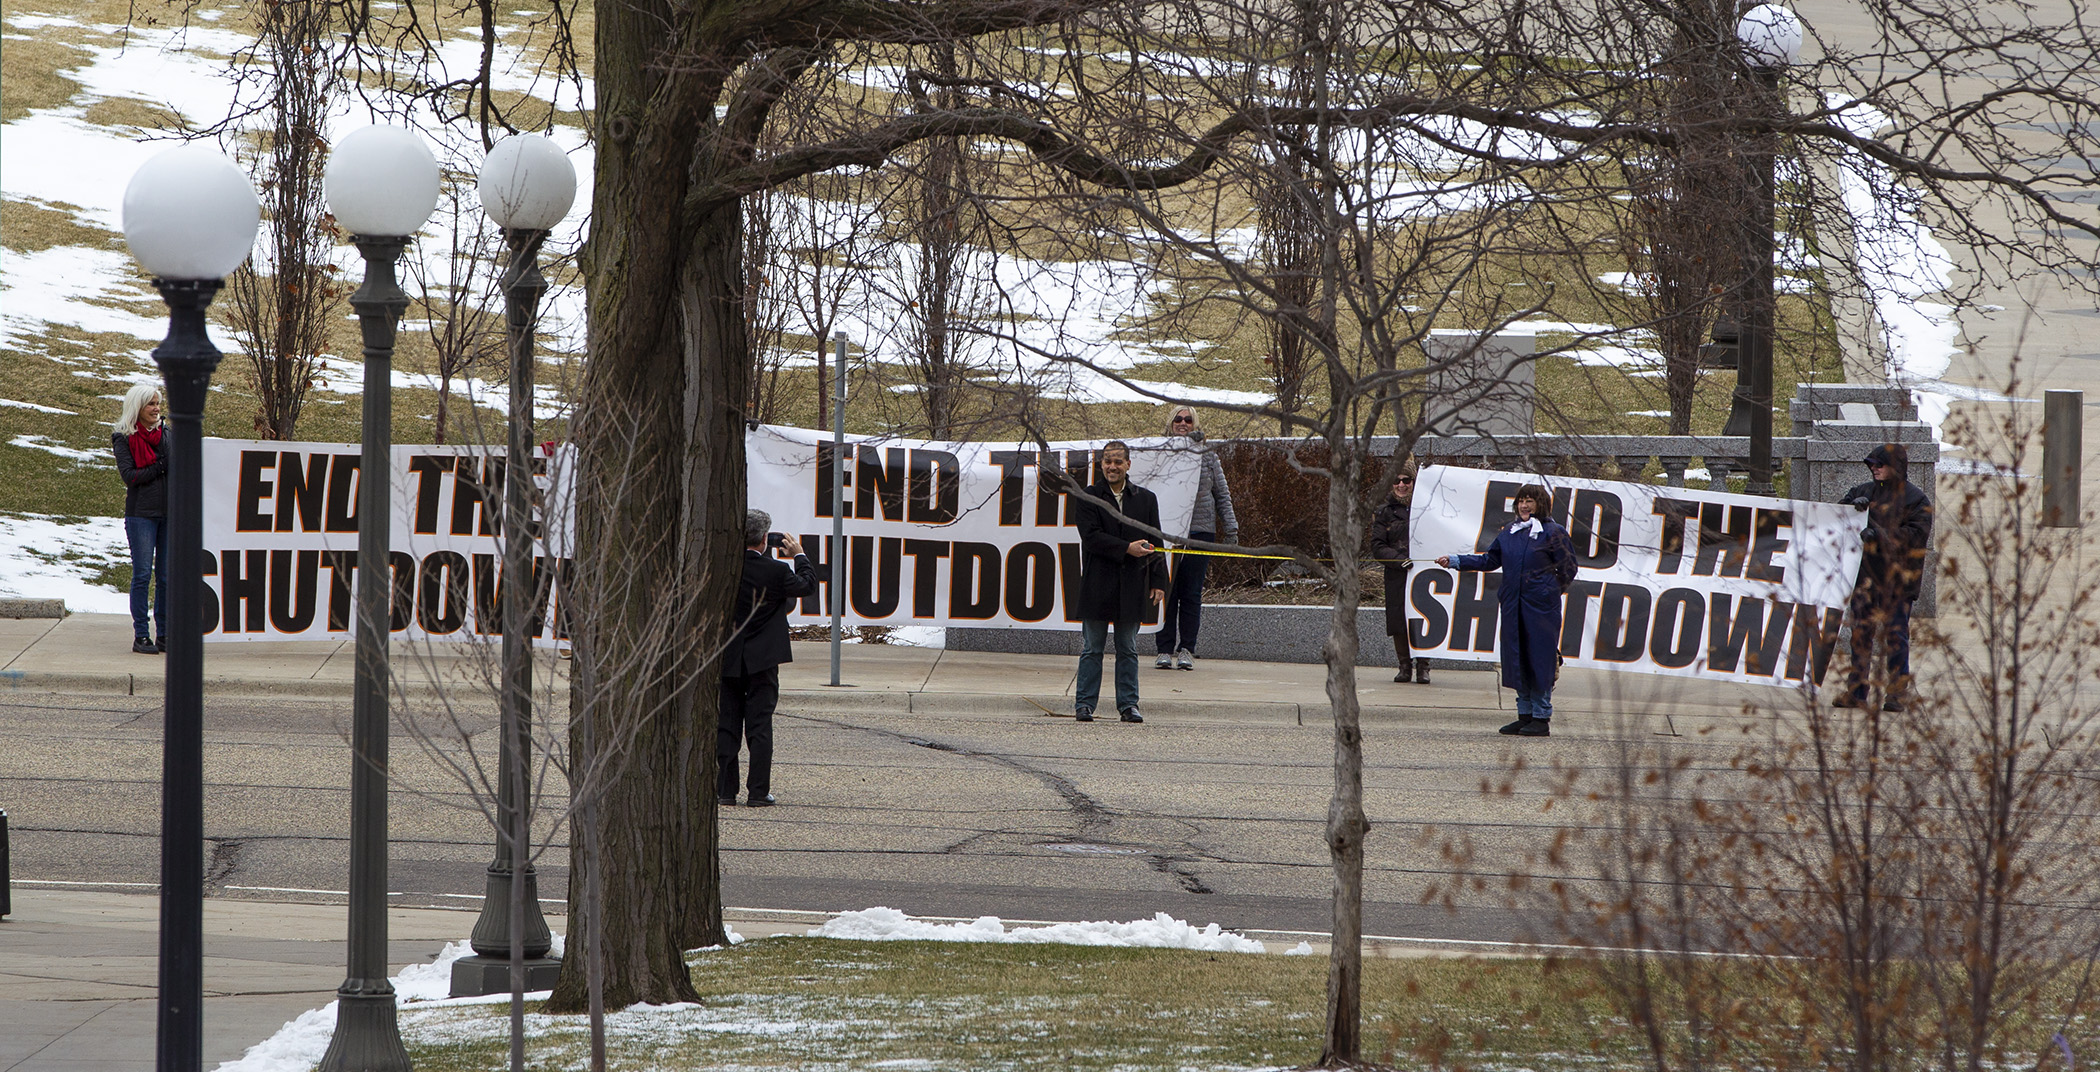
(1537, 561)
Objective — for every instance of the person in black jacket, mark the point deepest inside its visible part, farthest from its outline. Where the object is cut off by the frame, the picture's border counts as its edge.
(1120, 572)
(1389, 547)
(140, 442)
(751, 661)
(1891, 573)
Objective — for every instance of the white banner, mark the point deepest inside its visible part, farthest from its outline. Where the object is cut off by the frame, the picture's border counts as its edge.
(950, 534)
(280, 540)
(1702, 584)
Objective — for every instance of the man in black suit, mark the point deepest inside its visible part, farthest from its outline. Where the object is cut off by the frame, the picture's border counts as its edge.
(1120, 573)
(751, 662)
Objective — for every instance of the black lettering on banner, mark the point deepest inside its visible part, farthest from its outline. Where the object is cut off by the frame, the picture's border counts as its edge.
(1473, 611)
(1497, 512)
(427, 470)
(926, 558)
(290, 613)
(818, 548)
(1046, 500)
(1031, 582)
(209, 598)
(300, 494)
(883, 573)
(343, 481)
(1723, 545)
(827, 474)
(1622, 623)
(1575, 615)
(936, 487)
(1809, 640)
(488, 595)
(255, 487)
(402, 609)
(471, 490)
(1068, 559)
(240, 588)
(342, 565)
(1758, 624)
(1429, 629)
(1593, 527)
(1010, 463)
(441, 592)
(488, 608)
(1079, 465)
(1765, 542)
(973, 581)
(880, 478)
(1673, 512)
(1680, 621)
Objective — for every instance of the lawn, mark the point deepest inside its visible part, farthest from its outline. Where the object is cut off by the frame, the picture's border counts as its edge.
(819, 1003)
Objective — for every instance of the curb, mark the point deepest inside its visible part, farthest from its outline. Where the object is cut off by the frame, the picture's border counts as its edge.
(17, 607)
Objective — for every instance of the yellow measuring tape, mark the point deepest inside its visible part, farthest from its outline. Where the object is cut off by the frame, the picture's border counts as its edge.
(1275, 558)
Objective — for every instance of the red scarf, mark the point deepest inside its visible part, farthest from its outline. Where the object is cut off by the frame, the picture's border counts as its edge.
(145, 448)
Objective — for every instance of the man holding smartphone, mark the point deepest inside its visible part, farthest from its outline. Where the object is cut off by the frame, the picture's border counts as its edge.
(758, 644)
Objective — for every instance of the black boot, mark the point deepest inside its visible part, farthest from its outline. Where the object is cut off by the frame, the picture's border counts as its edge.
(1422, 671)
(1406, 656)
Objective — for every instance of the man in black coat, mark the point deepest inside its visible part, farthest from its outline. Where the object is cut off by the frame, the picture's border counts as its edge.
(1891, 572)
(1120, 572)
(751, 661)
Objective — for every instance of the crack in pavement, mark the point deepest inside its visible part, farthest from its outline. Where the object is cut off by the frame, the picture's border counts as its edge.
(225, 859)
(1090, 813)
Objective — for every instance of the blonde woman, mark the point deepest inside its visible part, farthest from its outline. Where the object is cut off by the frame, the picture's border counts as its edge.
(141, 445)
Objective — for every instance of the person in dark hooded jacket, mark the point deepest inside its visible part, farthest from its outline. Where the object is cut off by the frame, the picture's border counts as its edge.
(1389, 548)
(1891, 573)
(1537, 561)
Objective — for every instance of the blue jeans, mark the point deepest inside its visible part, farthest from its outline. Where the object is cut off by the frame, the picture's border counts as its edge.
(149, 564)
(1537, 703)
(1093, 639)
(1183, 614)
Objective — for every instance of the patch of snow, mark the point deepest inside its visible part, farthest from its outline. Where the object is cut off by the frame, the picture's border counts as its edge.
(300, 1044)
(44, 557)
(39, 409)
(1162, 931)
(100, 459)
(1302, 949)
(919, 636)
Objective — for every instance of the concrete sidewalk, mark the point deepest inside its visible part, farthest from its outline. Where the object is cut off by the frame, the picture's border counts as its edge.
(91, 654)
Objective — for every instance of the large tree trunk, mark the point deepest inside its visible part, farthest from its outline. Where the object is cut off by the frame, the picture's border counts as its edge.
(659, 524)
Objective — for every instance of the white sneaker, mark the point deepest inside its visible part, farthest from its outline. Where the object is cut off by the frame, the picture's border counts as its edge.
(1185, 659)
(1164, 662)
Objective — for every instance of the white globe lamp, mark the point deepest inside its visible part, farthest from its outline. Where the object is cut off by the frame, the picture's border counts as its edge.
(381, 181)
(527, 183)
(189, 213)
(1771, 37)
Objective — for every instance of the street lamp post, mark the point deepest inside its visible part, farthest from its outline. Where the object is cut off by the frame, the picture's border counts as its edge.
(1770, 37)
(527, 185)
(837, 564)
(382, 184)
(190, 217)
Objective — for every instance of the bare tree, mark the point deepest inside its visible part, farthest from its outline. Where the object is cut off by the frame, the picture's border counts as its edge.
(284, 310)
(466, 331)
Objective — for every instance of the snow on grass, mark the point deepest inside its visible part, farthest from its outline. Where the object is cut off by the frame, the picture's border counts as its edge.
(44, 557)
(1162, 931)
(37, 408)
(98, 459)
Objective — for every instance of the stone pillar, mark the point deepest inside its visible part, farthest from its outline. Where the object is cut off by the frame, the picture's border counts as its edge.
(1486, 387)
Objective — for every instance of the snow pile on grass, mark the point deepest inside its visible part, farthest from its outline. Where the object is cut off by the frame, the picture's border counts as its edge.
(45, 557)
(298, 1046)
(1162, 931)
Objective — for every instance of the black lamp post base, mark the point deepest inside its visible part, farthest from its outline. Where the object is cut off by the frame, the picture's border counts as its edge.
(367, 1034)
(477, 975)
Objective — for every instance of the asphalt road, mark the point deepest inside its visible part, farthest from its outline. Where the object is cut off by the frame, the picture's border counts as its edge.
(1023, 818)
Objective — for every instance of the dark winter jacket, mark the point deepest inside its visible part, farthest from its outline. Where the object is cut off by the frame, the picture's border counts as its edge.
(145, 486)
(768, 590)
(1533, 566)
(1113, 586)
(1898, 527)
(1389, 546)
